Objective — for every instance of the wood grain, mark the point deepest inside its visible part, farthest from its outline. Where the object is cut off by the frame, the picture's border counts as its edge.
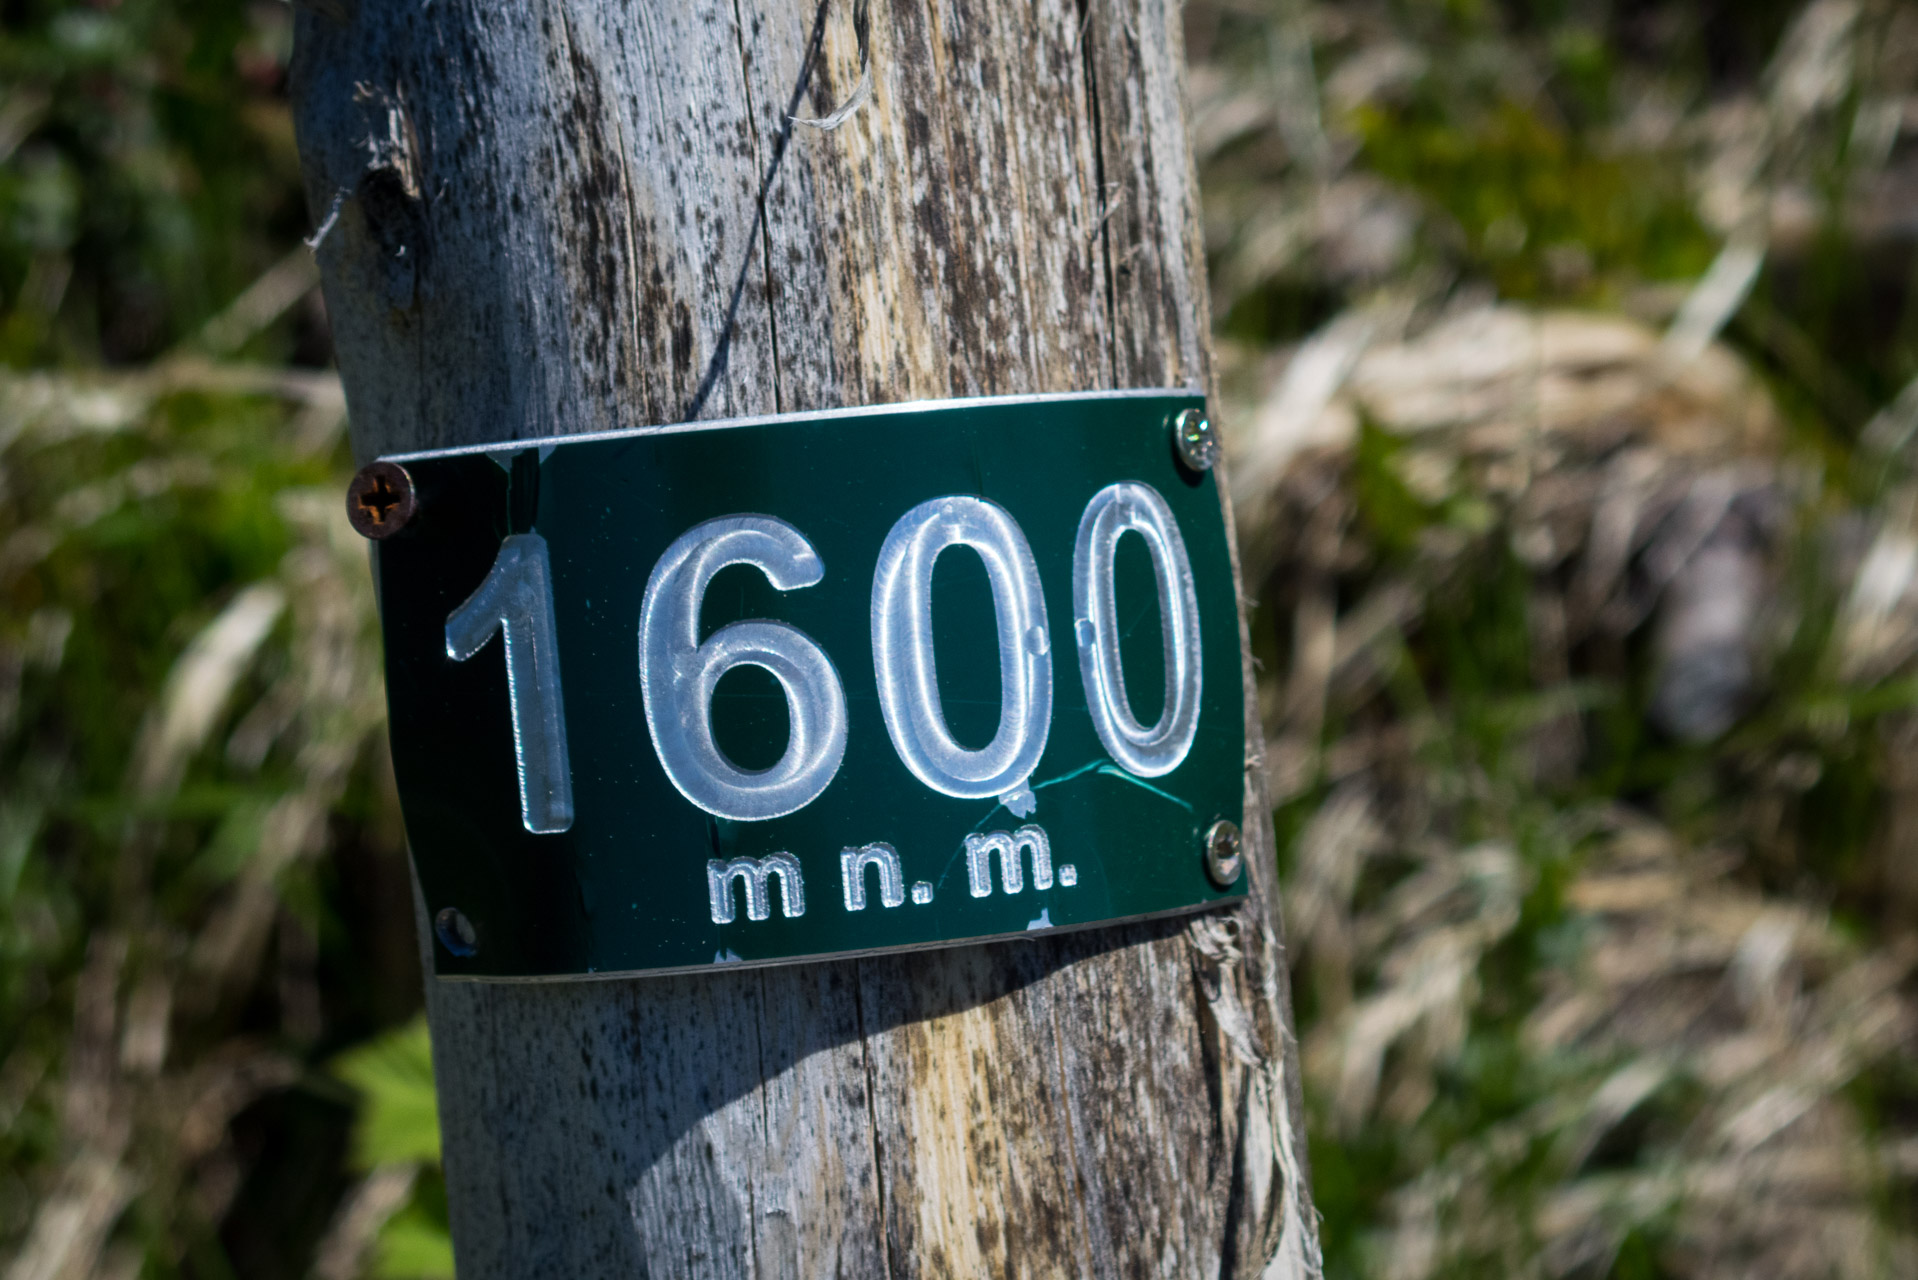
(550, 217)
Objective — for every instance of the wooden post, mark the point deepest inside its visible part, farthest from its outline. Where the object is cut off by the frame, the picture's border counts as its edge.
(546, 217)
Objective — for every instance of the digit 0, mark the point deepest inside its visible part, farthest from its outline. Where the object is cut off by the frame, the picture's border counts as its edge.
(1147, 751)
(903, 658)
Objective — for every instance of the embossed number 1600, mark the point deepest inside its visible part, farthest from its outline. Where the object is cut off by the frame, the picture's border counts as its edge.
(678, 672)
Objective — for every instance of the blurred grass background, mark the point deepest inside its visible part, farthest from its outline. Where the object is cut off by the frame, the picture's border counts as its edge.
(1567, 352)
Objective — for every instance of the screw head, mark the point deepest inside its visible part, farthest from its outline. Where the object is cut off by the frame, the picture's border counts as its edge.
(455, 932)
(380, 500)
(1197, 442)
(1223, 857)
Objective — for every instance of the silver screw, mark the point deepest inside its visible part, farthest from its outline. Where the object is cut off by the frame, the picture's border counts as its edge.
(455, 932)
(1198, 442)
(1223, 861)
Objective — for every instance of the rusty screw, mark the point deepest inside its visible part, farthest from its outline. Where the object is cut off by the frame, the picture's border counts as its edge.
(380, 500)
(1223, 860)
(1198, 443)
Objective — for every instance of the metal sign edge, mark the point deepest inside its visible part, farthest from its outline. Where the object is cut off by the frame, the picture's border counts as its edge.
(812, 415)
(1231, 901)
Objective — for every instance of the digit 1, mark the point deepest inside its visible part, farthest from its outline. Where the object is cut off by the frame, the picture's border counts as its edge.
(517, 598)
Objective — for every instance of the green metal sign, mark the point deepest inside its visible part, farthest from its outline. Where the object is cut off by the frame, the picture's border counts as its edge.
(779, 689)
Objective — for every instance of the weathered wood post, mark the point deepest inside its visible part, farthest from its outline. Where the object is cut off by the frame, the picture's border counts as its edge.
(548, 217)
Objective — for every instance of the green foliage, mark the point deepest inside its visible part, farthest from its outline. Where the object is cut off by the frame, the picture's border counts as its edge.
(398, 1123)
(1535, 208)
(198, 844)
(175, 597)
(398, 1120)
(415, 1245)
(151, 176)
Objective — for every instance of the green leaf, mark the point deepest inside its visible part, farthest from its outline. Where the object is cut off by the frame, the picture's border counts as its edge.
(413, 1246)
(399, 1112)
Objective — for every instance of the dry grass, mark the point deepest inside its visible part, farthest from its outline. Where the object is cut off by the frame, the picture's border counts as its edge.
(1589, 616)
(1691, 1030)
(180, 926)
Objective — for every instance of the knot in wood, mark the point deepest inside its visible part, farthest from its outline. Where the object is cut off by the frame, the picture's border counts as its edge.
(396, 222)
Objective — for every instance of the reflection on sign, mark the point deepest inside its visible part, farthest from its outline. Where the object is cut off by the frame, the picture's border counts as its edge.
(679, 672)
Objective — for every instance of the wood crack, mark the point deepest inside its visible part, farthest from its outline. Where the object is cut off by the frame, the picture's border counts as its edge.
(1077, 1181)
(716, 368)
(1102, 193)
(872, 1109)
(764, 232)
